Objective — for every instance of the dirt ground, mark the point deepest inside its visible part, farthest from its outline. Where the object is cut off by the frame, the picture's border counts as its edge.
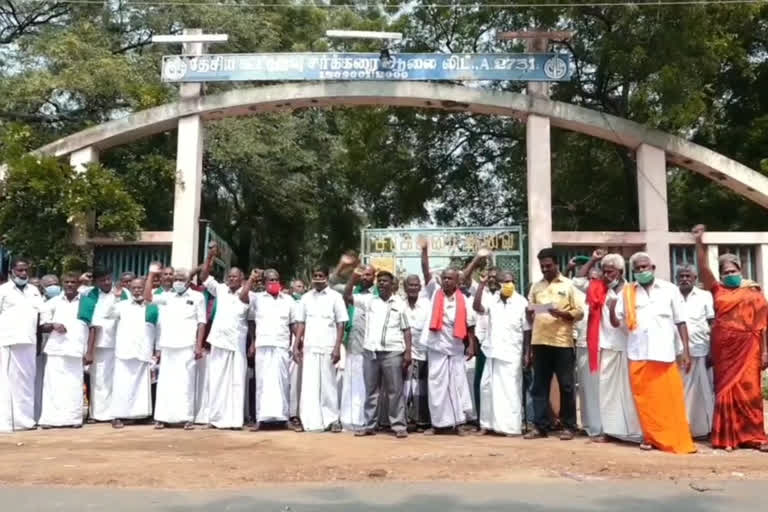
(139, 456)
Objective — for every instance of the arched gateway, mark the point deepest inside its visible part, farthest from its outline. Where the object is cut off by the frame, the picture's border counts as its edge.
(654, 149)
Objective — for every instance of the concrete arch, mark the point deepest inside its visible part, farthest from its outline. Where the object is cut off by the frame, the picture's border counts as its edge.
(240, 102)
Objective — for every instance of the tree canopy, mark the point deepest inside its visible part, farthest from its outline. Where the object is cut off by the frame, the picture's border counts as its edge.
(292, 189)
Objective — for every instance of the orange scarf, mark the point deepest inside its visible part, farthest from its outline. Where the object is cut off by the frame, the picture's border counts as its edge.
(630, 305)
(459, 324)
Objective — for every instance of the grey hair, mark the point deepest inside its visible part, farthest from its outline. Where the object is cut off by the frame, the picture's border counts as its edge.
(181, 271)
(49, 277)
(685, 267)
(639, 256)
(728, 258)
(614, 260)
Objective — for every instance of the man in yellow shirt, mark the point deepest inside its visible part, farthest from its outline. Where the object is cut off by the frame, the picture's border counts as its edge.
(553, 308)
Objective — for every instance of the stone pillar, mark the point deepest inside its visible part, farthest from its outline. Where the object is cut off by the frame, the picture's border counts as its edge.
(713, 257)
(82, 225)
(539, 173)
(652, 205)
(189, 175)
(761, 266)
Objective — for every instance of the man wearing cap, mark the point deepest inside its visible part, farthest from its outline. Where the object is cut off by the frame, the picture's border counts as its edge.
(386, 350)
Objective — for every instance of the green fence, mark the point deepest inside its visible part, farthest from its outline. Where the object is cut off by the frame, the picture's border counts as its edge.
(133, 258)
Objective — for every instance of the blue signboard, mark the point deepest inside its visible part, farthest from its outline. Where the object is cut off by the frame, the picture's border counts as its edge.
(528, 67)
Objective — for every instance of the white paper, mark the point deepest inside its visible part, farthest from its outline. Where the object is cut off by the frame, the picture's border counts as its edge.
(541, 308)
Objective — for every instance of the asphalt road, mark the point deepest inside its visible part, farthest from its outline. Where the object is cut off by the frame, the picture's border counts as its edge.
(539, 496)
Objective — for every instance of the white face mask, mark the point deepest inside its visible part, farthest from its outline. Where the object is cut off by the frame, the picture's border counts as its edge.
(179, 287)
(19, 281)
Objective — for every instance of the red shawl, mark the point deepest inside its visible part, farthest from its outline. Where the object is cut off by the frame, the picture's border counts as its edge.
(460, 323)
(596, 295)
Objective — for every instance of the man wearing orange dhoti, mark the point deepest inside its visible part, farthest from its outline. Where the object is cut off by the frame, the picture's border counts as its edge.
(652, 309)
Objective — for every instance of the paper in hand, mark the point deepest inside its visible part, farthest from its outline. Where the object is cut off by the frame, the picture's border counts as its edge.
(541, 308)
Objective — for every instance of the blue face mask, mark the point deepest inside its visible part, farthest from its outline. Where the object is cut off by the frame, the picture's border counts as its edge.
(732, 281)
(19, 281)
(52, 291)
(179, 287)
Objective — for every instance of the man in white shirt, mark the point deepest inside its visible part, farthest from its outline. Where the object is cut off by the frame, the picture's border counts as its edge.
(353, 387)
(507, 339)
(134, 352)
(95, 303)
(700, 313)
(51, 288)
(320, 332)
(449, 326)
(653, 310)
(180, 343)
(274, 313)
(617, 411)
(20, 305)
(227, 362)
(387, 351)
(294, 369)
(65, 348)
(416, 390)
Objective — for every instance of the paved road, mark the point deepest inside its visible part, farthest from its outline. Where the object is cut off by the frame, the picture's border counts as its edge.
(538, 496)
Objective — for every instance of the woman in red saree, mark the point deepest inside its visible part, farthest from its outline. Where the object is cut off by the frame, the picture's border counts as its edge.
(738, 351)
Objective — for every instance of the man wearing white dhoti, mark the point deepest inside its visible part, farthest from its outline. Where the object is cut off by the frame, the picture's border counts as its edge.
(65, 348)
(180, 343)
(321, 320)
(134, 350)
(588, 380)
(449, 327)
(20, 305)
(608, 345)
(294, 368)
(353, 390)
(507, 339)
(386, 352)
(51, 288)
(95, 303)
(700, 314)
(274, 314)
(416, 389)
(227, 362)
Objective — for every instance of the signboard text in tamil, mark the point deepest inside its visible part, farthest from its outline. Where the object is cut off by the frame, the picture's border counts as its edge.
(546, 67)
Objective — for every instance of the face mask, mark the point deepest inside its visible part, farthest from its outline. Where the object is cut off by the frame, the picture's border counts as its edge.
(613, 284)
(732, 281)
(18, 281)
(52, 291)
(296, 296)
(138, 300)
(644, 277)
(507, 289)
(179, 287)
(273, 289)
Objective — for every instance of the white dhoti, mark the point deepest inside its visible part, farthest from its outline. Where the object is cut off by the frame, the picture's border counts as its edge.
(589, 393)
(699, 397)
(272, 383)
(102, 372)
(17, 387)
(227, 370)
(39, 374)
(294, 370)
(617, 404)
(471, 369)
(131, 390)
(319, 407)
(62, 392)
(353, 393)
(450, 402)
(501, 396)
(176, 386)
(202, 392)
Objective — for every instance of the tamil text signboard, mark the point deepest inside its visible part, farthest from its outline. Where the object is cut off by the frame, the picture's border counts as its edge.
(547, 67)
(398, 249)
